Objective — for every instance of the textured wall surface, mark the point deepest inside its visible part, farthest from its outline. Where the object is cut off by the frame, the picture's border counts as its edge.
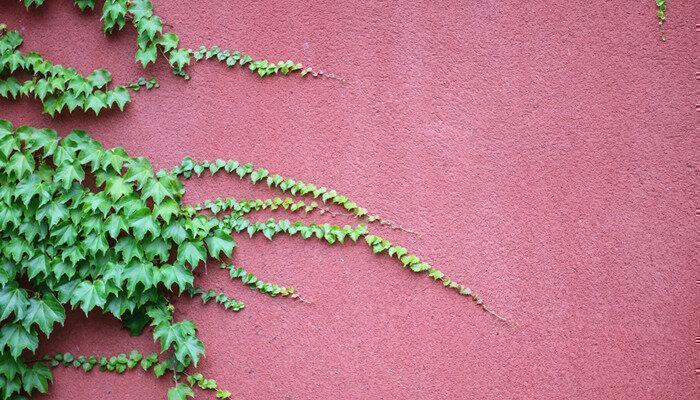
(545, 154)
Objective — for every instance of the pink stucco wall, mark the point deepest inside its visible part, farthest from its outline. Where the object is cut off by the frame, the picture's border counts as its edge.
(545, 154)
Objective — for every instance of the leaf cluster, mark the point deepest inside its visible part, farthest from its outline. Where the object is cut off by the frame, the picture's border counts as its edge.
(58, 88)
(88, 228)
(96, 229)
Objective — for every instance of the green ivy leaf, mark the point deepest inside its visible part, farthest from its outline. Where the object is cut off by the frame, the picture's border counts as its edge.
(36, 377)
(147, 55)
(142, 222)
(119, 96)
(180, 392)
(219, 242)
(139, 170)
(89, 295)
(159, 189)
(169, 41)
(140, 9)
(175, 231)
(13, 300)
(67, 173)
(169, 334)
(44, 312)
(117, 187)
(166, 210)
(140, 272)
(85, 4)
(190, 348)
(149, 26)
(99, 78)
(20, 165)
(179, 58)
(96, 102)
(176, 274)
(192, 253)
(17, 339)
(11, 367)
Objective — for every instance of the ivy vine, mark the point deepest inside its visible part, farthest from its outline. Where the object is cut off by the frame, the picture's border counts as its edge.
(661, 15)
(60, 88)
(91, 228)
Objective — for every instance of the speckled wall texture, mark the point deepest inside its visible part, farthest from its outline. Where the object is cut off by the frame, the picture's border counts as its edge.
(545, 153)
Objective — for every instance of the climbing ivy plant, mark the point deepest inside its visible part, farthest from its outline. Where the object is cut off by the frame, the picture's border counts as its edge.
(86, 227)
(661, 14)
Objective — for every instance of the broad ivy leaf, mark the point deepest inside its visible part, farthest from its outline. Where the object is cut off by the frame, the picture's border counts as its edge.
(85, 4)
(10, 387)
(159, 189)
(120, 305)
(20, 164)
(9, 87)
(72, 100)
(149, 26)
(116, 187)
(119, 96)
(168, 333)
(44, 312)
(32, 186)
(53, 105)
(79, 86)
(8, 271)
(66, 290)
(13, 299)
(11, 367)
(189, 348)
(135, 322)
(66, 173)
(179, 58)
(140, 272)
(114, 158)
(176, 274)
(160, 316)
(129, 249)
(36, 377)
(41, 139)
(116, 224)
(16, 248)
(174, 231)
(166, 209)
(141, 222)
(37, 265)
(42, 88)
(91, 154)
(139, 170)
(89, 295)
(147, 55)
(96, 101)
(191, 252)
(180, 392)
(11, 40)
(17, 339)
(54, 212)
(219, 242)
(140, 9)
(169, 41)
(61, 268)
(99, 78)
(95, 243)
(157, 248)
